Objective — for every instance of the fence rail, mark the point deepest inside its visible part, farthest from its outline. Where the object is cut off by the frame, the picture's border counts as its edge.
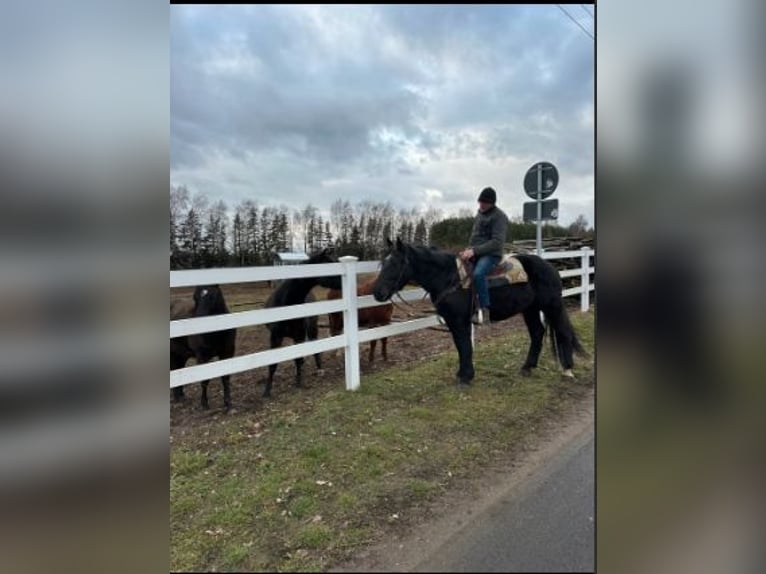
(348, 268)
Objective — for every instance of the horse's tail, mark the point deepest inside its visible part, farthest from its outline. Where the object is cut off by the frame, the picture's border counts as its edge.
(564, 340)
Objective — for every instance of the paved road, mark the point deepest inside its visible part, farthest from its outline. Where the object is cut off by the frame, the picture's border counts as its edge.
(544, 525)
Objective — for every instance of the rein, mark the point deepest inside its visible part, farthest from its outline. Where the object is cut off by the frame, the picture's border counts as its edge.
(402, 309)
(448, 291)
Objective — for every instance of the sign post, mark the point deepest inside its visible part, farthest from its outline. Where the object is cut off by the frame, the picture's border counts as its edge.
(538, 187)
(550, 210)
(539, 223)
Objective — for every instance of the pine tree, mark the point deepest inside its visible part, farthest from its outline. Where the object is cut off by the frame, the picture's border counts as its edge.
(252, 238)
(238, 240)
(179, 204)
(191, 238)
(265, 245)
(328, 242)
(420, 235)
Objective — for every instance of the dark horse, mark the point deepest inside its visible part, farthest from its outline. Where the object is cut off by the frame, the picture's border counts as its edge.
(208, 300)
(436, 271)
(295, 292)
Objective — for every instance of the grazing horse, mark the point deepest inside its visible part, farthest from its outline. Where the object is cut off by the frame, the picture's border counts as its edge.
(368, 317)
(208, 300)
(295, 292)
(437, 272)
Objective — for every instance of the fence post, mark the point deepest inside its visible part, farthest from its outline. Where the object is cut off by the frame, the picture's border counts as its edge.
(585, 280)
(350, 321)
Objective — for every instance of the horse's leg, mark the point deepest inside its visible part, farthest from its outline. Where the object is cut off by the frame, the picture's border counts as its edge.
(461, 335)
(226, 392)
(299, 372)
(372, 351)
(276, 341)
(228, 353)
(177, 362)
(465, 351)
(385, 348)
(313, 334)
(270, 382)
(203, 398)
(536, 336)
(563, 339)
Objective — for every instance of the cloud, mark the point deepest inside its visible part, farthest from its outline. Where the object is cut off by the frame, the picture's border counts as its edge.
(377, 102)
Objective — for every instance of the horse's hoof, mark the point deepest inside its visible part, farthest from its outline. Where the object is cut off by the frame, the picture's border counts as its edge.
(205, 406)
(320, 372)
(569, 377)
(526, 371)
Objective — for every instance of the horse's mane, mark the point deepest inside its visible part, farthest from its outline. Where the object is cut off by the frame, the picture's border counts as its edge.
(433, 254)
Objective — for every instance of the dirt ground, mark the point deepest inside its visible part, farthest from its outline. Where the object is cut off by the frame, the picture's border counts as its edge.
(247, 387)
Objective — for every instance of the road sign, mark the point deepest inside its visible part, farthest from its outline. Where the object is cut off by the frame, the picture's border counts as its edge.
(550, 180)
(550, 210)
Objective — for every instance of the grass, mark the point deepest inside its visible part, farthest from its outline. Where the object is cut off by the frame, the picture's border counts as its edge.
(326, 476)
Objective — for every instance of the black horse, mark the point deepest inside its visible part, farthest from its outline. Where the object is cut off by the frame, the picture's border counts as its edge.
(208, 300)
(295, 292)
(436, 271)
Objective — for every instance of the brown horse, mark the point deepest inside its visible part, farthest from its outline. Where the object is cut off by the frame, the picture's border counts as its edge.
(368, 317)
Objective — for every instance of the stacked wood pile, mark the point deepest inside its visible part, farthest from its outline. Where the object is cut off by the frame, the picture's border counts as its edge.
(552, 244)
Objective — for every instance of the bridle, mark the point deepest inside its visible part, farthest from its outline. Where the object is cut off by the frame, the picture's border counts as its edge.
(449, 290)
(399, 279)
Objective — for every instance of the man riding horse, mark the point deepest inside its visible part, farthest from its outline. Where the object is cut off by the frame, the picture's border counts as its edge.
(486, 247)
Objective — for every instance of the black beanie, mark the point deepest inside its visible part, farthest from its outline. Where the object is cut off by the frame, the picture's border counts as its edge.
(488, 195)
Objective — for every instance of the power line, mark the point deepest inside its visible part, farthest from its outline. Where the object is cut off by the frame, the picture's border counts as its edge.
(575, 21)
(587, 11)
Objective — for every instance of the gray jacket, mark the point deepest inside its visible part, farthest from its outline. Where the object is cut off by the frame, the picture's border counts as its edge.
(489, 232)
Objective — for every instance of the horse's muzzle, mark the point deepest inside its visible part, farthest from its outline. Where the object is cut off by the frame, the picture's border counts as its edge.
(381, 294)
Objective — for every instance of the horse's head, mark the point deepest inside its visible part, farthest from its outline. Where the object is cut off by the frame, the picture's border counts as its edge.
(208, 300)
(396, 271)
(326, 255)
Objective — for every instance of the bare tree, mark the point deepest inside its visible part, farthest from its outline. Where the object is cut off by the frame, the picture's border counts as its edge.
(580, 226)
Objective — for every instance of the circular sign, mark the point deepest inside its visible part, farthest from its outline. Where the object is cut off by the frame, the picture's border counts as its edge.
(550, 180)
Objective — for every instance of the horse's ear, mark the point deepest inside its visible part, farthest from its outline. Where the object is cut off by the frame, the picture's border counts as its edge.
(389, 243)
(399, 244)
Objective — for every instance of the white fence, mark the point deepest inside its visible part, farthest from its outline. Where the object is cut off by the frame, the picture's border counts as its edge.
(352, 337)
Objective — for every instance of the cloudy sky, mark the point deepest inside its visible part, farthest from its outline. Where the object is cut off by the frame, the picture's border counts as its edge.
(417, 105)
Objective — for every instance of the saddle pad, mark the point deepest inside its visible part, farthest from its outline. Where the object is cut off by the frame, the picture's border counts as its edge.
(509, 270)
(463, 273)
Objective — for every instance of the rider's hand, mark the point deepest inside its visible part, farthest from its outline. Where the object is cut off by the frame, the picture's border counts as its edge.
(466, 254)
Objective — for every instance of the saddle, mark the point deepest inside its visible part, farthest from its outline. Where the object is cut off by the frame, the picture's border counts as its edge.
(507, 272)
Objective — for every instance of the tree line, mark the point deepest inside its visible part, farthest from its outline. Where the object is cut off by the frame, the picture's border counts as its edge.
(205, 234)
(209, 235)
